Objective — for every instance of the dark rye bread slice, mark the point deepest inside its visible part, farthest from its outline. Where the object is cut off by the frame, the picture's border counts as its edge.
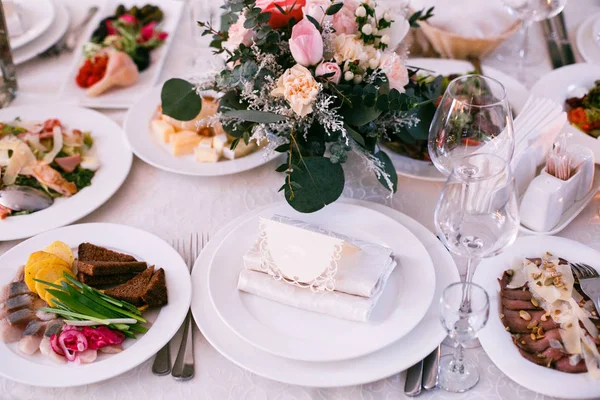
(103, 279)
(156, 291)
(132, 290)
(91, 252)
(97, 268)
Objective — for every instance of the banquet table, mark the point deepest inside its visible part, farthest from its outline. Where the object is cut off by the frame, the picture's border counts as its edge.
(174, 206)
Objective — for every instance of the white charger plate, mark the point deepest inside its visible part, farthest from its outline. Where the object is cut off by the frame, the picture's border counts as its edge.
(44, 42)
(146, 146)
(113, 154)
(517, 96)
(298, 334)
(560, 84)
(397, 357)
(36, 16)
(118, 98)
(586, 41)
(38, 370)
(498, 344)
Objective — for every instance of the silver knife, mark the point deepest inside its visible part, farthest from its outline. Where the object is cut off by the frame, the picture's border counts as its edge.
(430, 369)
(554, 51)
(567, 50)
(414, 378)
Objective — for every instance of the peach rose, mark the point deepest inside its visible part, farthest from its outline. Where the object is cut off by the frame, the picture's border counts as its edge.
(393, 67)
(238, 35)
(327, 68)
(299, 88)
(344, 21)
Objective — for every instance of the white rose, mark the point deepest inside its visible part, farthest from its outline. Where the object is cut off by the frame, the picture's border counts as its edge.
(347, 47)
(316, 9)
(299, 88)
(238, 35)
(395, 70)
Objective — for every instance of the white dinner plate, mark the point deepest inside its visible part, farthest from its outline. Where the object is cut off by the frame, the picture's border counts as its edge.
(36, 17)
(298, 334)
(52, 35)
(517, 96)
(112, 152)
(386, 362)
(120, 98)
(498, 343)
(38, 370)
(146, 146)
(565, 82)
(586, 41)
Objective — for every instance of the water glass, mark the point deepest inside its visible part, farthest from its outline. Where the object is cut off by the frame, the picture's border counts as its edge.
(472, 117)
(457, 373)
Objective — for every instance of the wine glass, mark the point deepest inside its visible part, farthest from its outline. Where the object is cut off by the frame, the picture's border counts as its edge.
(206, 11)
(477, 214)
(529, 11)
(456, 373)
(472, 117)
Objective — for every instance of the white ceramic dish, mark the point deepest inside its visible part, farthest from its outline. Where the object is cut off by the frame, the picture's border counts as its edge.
(146, 146)
(37, 370)
(569, 215)
(113, 154)
(386, 362)
(586, 40)
(565, 82)
(52, 35)
(36, 16)
(297, 334)
(498, 344)
(118, 98)
(517, 96)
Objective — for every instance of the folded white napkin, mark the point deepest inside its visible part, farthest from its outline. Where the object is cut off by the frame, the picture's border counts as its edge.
(468, 18)
(359, 281)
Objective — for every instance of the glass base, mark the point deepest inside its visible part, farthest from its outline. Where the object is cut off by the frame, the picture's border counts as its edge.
(455, 379)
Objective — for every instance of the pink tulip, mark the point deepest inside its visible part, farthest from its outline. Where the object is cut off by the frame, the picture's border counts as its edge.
(148, 31)
(306, 43)
(327, 68)
(128, 19)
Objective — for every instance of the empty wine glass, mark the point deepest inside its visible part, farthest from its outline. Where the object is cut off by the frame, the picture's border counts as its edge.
(456, 373)
(529, 11)
(477, 214)
(472, 117)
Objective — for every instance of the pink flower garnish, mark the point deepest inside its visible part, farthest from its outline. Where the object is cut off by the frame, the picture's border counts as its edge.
(148, 31)
(110, 28)
(128, 19)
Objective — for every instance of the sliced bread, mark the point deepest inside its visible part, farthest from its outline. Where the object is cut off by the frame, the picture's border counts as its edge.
(103, 280)
(156, 291)
(91, 252)
(98, 268)
(132, 290)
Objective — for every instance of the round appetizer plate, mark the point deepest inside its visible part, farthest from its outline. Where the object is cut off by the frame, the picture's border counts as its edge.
(388, 361)
(111, 149)
(146, 146)
(36, 16)
(52, 35)
(38, 370)
(425, 170)
(569, 81)
(587, 43)
(498, 343)
(298, 334)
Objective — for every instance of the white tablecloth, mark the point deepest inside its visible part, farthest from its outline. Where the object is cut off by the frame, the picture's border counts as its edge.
(161, 202)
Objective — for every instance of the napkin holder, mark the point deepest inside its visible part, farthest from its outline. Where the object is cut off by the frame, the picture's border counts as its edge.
(301, 254)
(547, 197)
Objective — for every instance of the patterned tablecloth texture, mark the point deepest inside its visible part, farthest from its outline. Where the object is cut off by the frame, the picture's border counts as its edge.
(172, 206)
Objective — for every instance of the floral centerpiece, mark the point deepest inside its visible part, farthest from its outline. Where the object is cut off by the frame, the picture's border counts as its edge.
(315, 79)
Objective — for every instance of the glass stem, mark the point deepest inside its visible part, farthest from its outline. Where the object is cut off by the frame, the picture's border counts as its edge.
(459, 357)
(465, 306)
(524, 51)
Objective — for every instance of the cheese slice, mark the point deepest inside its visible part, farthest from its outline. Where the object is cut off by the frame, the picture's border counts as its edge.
(220, 142)
(206, 155)
(184, 142)
(162, 130)
(242, 149)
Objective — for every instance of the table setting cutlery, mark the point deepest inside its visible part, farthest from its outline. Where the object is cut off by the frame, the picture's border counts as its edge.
(423, 375)
(557, 40)
(71, 37)
(589, 279)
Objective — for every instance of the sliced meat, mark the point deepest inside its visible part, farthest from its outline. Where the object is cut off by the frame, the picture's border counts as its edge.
(20, 276)
(29, 344)
(46, 350)
(19, 302)
(68, 164)
(564, 365)
(4, 212)
(53, 179)
(17, 289)
(21, 318)
(516, 324)
(8, 332)
(518, 304)
(111, 349)
(533, 358)
(4, 291)
(3, 311)
(516, 294)
(53, 327)
(526, 343)
(34, 328)
(87, 356)
(45, 316)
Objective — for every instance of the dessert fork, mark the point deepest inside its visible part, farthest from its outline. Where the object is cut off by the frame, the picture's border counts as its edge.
(183, 369)
(589, 280)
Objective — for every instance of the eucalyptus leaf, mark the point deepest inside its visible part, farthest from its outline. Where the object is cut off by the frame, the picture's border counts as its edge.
(179, 100)
(389, 168)
(355, 135)
(334, 8)
(321, 183)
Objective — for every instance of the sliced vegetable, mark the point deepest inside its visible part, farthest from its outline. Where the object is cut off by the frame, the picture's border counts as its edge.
(61, 250)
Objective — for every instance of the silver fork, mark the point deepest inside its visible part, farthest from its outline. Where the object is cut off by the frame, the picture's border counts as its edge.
(183, 369)
(589, 280)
